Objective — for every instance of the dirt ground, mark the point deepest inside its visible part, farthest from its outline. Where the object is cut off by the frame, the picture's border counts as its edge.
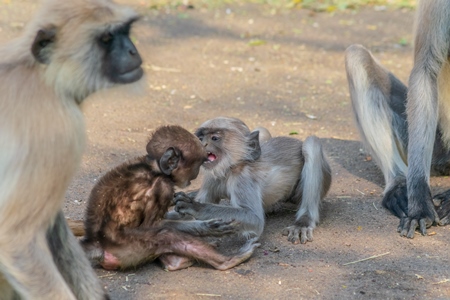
(283, 70)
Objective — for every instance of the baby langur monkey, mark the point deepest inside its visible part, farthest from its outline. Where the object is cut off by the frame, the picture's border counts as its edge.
(124, 226)
(254, 174)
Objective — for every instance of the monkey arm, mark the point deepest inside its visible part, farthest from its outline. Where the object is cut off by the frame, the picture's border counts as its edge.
(431, 54)
(246, 206)
(213, 227)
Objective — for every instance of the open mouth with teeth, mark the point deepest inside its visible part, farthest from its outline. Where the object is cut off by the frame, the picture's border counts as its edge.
(212, 159)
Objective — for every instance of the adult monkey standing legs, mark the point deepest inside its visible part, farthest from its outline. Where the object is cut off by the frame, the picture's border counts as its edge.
(428, 118)
(68, 51)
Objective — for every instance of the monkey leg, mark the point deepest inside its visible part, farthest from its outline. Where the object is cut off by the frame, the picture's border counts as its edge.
(379, 104)
(77, 272)
(144, 245)
(314, 184)
(250, 218)
(23, 265)
(7, 291)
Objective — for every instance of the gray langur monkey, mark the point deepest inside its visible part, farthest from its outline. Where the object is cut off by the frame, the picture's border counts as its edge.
(254, 177)
(68, 51)
(407, 129)
(124, 225)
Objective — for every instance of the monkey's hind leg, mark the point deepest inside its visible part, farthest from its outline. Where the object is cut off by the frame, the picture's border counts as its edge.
(76, 272)
(314, 184)
(144, 245)
(379, 103)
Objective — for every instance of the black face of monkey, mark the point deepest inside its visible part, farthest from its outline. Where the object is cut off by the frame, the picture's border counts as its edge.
(212, 140)
(122, 62)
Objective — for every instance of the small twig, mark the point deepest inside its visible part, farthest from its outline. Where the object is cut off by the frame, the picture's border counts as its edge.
(208, 295)
(108, 275)
(374, 205)
(364, 259)
(360, 191)
(442, 281)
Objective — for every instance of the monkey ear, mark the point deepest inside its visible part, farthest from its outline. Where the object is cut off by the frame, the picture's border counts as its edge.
(169, 160)
(254, 145)
(42, 44)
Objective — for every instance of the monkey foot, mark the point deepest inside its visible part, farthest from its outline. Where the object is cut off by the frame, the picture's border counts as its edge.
(299, 234)
(244, 253)
(442, 204)
(173, 262)
(110, 262)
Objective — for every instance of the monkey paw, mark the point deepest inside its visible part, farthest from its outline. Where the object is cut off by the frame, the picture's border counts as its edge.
(442, 204)
(187, 207)
(299, 234)
(395, 199)
(421, 214)
(182, 196)
(217, 227)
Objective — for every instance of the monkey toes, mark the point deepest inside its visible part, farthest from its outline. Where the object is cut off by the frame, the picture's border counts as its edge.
(217, 227)
(442, 204)
(299, 234)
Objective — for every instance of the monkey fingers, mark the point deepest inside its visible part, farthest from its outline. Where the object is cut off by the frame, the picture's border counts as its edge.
(187, 208)
(421, 214)
(182, 196)
(442, 204)
(217, 227)
(298, 234)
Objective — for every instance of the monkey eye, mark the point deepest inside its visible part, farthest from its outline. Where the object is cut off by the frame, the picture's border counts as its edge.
(106, 38)
(215, 138)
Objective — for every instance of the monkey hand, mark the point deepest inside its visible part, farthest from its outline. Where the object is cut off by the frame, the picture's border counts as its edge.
(217, 227)
(182, 196)
(421, 213)
(442, 205)
(188, 207)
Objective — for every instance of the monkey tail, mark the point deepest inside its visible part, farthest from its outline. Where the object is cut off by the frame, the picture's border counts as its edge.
(315, 180)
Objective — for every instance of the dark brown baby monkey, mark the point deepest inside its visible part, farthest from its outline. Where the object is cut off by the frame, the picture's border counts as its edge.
(124, 218)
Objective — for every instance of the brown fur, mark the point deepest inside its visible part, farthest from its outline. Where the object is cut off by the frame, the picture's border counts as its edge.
(123, 223)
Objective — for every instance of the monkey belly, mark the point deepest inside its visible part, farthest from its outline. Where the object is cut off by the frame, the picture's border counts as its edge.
(110, 262)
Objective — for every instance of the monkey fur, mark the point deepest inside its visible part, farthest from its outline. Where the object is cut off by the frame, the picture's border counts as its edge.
(124, 225)
(255, 176)
(407, 129)
(69, 50)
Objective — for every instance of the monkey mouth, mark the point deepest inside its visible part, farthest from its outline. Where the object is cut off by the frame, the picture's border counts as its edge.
(211, 157)
(211, 160)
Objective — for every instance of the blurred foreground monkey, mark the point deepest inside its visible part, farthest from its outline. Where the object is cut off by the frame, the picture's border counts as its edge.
(254, 177)
(124, 225)
(68, 51)
(407, 130)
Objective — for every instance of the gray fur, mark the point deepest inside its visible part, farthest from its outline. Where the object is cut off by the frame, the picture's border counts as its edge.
(287, 170)
(399, 124)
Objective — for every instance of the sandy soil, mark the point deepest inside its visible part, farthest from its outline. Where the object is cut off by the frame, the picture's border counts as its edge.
(283, 70)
